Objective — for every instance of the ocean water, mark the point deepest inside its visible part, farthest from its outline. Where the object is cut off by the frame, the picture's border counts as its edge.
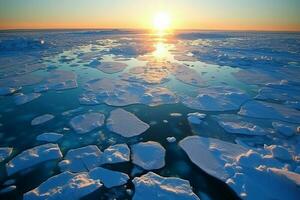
(213, 73)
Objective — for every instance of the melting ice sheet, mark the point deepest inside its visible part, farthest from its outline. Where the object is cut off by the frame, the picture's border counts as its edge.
(117, 114)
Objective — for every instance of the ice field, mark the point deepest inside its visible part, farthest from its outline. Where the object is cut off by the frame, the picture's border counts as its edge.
(124, 114)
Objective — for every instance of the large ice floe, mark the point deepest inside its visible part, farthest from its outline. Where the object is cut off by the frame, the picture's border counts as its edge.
(41, 119)
(148, 155)
(265, 110)
(66, 185)
(49, 137)
(5, 152)
(125, 123)
(31, 157)
(216, 99)
(246, 171)
(58, 80)
(115, 154)
(108, 177)
(87, 122)
(21, 98)
(82, 159)
(111, 67)
(239, 125)
(116, 92)
(152, 186)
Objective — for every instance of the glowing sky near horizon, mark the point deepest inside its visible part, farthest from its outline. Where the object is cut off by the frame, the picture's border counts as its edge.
(185, 14)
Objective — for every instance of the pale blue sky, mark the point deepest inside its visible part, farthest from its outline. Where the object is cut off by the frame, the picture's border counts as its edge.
(194, 14)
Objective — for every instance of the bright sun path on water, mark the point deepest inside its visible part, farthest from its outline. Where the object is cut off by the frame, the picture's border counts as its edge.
(161, 22)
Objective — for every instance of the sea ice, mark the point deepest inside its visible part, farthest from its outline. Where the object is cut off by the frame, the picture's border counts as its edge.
(41, 119)
(66, 185)
(111, 67)
(49, 137)
(148, 155)
(5, 152)
(21, 98)
(31, 157)
(196, 118)
(216, 99)
(239, 125)
(87, 122)
(116, 154)
(171, 139)
(8, 90)
(82, 159)
(108, 177)
(266, 110)
(125, 123)
(152, 186)
(285, 129)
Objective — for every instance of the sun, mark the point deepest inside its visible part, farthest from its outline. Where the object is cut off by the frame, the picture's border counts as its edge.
(161, 21)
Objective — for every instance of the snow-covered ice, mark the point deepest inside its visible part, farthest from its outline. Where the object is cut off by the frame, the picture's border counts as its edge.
(31, 157)
(5, 152)
(148, 155)
(152, 186)
(81, 159)
(125, 123)
(49, 137)
(41, 119)
(196, 118)
(108, 177)
(21, 98)
(66, 185)
(87, 122)
(115, 154)
(111, 67)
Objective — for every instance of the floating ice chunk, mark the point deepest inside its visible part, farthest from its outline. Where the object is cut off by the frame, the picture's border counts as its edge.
(255, 77)
(5, 152)
(116, 154)
(148, 155)
(9, 182)
(49, 137)
(82, 159)
(187, 75)
(8, 189)
(31, 157)
(279, 152)
(25, 98)
(58, 80)
(175, 114)
(285, 129)
(64, 186)
(171, 139)
(185, 58)
(108, 177)
(19, 81)
(125, 123)
(279, 93)
(152, 186)
(8, 90)
(111, 67)
(216, 99)
(238, 125)
(209, 160)
(196, 118)
(41, 119)
(266, 110)
(87, 122)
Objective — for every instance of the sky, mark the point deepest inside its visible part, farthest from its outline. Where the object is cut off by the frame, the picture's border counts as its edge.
(281, 15)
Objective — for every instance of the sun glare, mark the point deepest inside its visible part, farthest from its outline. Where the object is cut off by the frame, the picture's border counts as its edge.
(162, 22)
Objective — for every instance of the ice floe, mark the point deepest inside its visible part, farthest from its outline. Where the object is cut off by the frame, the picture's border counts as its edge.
(216, 99)
(82, 159)
(266, 110)
(41, 119)
(111, 67)
(196, 118)
(5, 152)
(8, 90)
(19, 81)
(49, 137)
(285, 129)
(31, 157)
(171, 139)
(87, 122)
(148, 155)
(125, 123)
(108, 177)
(239, 125)
(152, 186)
(245, 170)
(116, 154)
(8, 189)
(121, 93)
(21, 98)
(66, 185)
